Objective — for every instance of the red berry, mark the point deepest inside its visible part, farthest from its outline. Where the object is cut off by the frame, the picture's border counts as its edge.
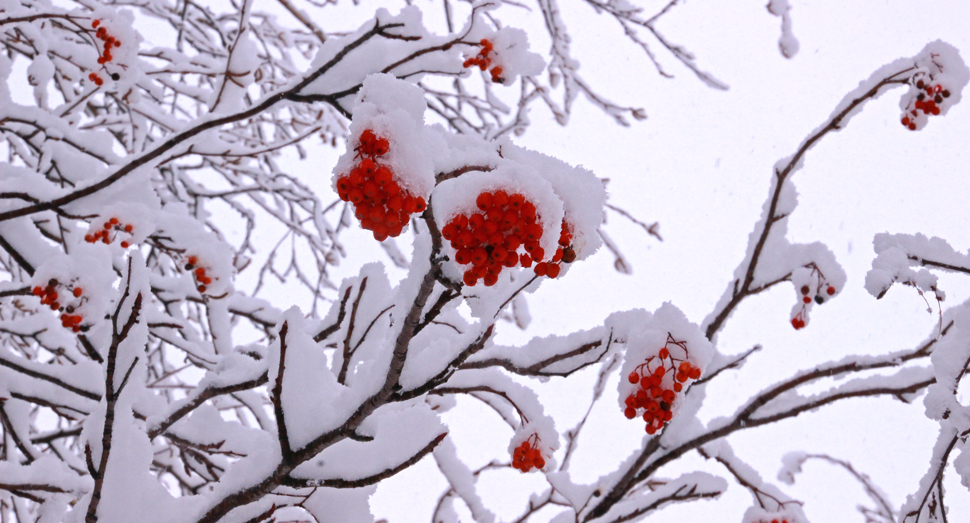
(664, 353)
(830, 290)
(806, 299)
(633, 377)
(95, 23)
(540, 268)
(77, 292)
(129, 228)
(553, 270)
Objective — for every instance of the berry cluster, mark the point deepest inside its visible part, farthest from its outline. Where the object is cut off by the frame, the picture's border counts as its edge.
(660, 379)
(109, 42)
(489, 240)
(483, 60)
(111, 231)
(821, 286)
(564, 253)
(775, 520)
(928, 101)
(380, 203)
(49, 296)
(527, 456)
(201, 278)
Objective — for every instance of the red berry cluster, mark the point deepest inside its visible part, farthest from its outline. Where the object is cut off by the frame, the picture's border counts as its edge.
(201, 278)
(798, 322)
(651, 397)
(105, 235)
(489, 240)
(49, 296)
(775, 520)
(527, 456)
(109, 42)
(483, 61)
(564, 253)
(928, 102)
(380, 203)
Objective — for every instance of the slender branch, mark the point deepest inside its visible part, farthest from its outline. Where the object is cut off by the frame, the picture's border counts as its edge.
(772, 215)
(278, 401)
(290, 481)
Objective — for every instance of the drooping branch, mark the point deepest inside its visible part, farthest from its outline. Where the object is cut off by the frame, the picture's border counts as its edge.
(743, 288)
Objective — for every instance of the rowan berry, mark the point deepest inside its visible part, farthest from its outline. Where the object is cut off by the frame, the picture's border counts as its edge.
(77, 292)
(552, 270)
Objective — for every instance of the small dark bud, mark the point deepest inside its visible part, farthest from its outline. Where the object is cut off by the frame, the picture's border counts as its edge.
(945, 93)
(819, 300)
(85, 328)
(189, 266)
(115, 76)
(70, 309)
(938, 99)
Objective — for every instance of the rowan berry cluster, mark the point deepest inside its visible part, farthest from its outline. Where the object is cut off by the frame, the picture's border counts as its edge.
(113, 228)
(380, 203)
(564, 253)
(527, 456)
(928, 101)
(198, 273)
(72, 297)
(489, 241)
(775, 520)
(483, 60)
(660, 379)
(109, 42)
(809, 295)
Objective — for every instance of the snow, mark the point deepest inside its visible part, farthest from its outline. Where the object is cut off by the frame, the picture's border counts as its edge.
(393, 109)
(399, 431)
(787, 43)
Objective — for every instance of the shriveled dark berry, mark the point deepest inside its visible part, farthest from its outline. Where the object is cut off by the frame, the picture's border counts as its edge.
(568, 255)
(805, 289)
(938, 99)
(818, 299)
(920, 84)
(115, 76)
(945, 93)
